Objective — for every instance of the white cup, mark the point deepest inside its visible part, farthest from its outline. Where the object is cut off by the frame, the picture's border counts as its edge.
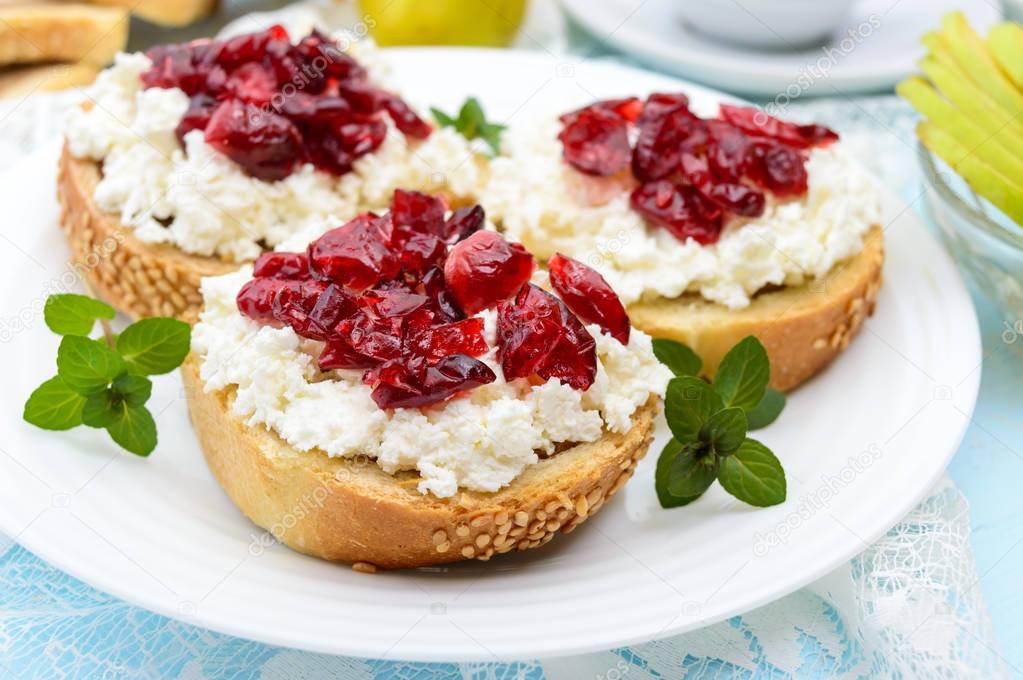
(775, 24)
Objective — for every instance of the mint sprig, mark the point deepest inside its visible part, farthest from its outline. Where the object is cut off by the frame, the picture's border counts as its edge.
(709, 423)
(472, 123)
(102, 383)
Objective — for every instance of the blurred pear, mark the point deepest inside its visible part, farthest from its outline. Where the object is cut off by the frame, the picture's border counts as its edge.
(485, 23)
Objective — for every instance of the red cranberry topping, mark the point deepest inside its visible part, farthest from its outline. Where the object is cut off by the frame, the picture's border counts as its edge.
(679, 208)
(415, 212)
(357, 255)
(463, 223)
(484, 269)
(410, 382)
(281, 265)
(389, 295)
(538, 335)
(316, 103)
(256, 298)
(589, 296)
(693, 173)
(759, 124)
(459, 337)
(596, 142)
(265, 144)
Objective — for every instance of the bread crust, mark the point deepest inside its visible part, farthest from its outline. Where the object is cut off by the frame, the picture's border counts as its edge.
(349, 510)
(803, 327)
(140, 279)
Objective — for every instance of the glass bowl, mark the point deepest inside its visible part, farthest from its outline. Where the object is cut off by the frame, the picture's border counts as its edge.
(986, 244)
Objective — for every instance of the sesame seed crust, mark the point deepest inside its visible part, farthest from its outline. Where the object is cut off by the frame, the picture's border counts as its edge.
(351, 511)
(140, 279)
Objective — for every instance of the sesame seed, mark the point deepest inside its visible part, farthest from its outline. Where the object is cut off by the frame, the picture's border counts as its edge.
(364, 568)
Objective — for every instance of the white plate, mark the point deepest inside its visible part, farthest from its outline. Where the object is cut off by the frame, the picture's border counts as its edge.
(863, 442)
(881, 49)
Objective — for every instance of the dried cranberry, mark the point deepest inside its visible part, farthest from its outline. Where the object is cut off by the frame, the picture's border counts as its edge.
(779, 169)
(657, 146)
(405, 119)
(680, 209)
(628, 108)
(197, 117)
(252, 83)
(281, 265)
(537, 334)
(293, 306)
(333, 306)
(256, 298)
(355, 255)
(735, 198)
(441, 301)
(264, 144)
(484, 269)
(589, 296)
(249, 47)
(337, 353)
(422, 252)
(460, 337)
(596, 142)
(418, 212)
(463, 223)
(306, 108)
(413, 382)
(757, 123)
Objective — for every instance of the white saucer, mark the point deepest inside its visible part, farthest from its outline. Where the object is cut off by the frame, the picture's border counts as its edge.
(881, 49)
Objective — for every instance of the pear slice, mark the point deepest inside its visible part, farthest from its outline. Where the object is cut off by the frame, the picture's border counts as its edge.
(973, 56)
(1001, 191)
(1006, 44)
(975, 103)
(986, 145)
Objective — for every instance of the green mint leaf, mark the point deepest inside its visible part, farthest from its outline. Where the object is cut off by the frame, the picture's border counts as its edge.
(86, 365)
(54, 406)
(443, 119)
(133, 429)
(688, 404)
(663, 474)
(692, 472)
(101, 408)
(153, 346)
(678, 357)
(133, 389)
(743, 374)
(725, 430)
(472, 123)
(767, 411)
(70, 314)
(753, 475)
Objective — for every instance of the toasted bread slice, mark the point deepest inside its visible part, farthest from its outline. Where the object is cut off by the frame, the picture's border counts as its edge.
(21, 81)
(803, 327)
(352, 511)
(61, 32)
(138, 278)
(165, 12)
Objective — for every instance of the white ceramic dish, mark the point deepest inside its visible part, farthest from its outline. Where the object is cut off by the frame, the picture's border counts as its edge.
(774, 24)
(876, 44)
(862, 443)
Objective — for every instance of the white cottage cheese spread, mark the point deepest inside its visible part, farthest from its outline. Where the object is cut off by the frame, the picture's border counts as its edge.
(479, 441)
(211, 206)
(539, 200)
